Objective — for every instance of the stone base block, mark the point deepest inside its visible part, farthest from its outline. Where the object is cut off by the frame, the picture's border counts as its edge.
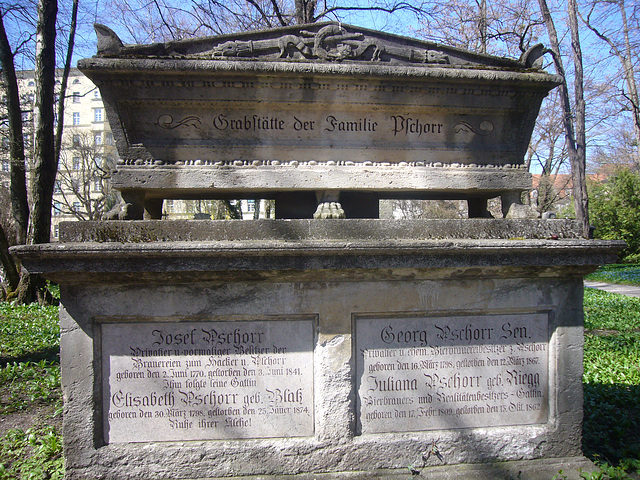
(302, 349)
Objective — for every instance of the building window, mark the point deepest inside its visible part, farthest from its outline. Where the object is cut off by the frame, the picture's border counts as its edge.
(75, 207)
(76, 97)
(56, 231)
(32, 83)
(76, 81)
(57, 187)
(5, 166)
(97, 115)
(251, 205)
(97, 185)
(76, 141)
(31, 97)
(108, 138)
(97, 138)
(76, 163)
(57, 209)
(96, 94)
(76, 118)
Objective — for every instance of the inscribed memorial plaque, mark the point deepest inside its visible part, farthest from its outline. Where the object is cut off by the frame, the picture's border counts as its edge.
(207, 380)
(430, 373)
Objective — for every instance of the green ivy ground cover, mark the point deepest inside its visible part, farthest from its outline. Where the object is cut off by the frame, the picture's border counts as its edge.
(30, 381)
(30, 392)
(612, 383)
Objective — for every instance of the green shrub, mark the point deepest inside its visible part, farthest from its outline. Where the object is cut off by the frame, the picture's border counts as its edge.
(614, 209)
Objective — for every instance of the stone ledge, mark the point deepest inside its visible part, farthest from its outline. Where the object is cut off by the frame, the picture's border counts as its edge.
(540, 469)
(313, 260)
(310, 230)
(115, 67)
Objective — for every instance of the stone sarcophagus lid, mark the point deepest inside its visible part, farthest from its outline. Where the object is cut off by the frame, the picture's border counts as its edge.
(290, 112)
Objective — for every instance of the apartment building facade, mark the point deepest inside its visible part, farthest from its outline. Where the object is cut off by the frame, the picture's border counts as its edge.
(88, 153)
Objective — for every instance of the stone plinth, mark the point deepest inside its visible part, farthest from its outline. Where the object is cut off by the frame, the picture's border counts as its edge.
(323, 349)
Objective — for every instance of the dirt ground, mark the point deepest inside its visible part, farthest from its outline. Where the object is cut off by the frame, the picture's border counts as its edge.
(34, 415)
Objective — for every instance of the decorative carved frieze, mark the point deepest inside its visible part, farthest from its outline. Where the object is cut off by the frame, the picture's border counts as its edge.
(325, 42)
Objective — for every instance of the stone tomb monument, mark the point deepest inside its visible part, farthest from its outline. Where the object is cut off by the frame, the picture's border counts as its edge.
(320, 348)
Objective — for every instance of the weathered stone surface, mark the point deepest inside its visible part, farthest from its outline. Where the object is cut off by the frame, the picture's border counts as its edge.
(454, 371)
(522, 211)
(312, 230)
(137, 251)
(316, 107)
(207, 380)
(347, 286)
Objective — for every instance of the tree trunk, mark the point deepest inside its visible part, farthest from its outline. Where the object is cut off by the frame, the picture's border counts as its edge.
(46, 166)
(629, 75)
(19, 201)
(576, 153)
(482, 26)
(579, 157)
(8, 264)
(305, 11)
(63, 83)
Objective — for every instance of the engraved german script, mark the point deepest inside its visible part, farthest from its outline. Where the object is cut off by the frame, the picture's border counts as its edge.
(430, 373)
(396, 125)
(165, 381)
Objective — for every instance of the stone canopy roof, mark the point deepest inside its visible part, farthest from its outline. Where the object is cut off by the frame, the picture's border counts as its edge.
(320, 42)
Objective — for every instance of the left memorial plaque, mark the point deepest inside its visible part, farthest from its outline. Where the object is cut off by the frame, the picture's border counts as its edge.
(172, 381)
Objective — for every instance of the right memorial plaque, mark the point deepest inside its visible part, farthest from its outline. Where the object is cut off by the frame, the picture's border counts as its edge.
(430, 373)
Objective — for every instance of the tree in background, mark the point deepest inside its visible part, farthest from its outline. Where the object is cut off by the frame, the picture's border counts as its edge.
(619, 33)
(504, 27)
(164, 20)
(82, 186)
(573, 116)
(615, 210)
(33, 222)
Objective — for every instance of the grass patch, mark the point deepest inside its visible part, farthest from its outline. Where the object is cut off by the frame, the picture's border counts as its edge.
(30, 392)
(26, 384)
(28, 333)
(612, 383)
(34, 454)
(610, 311)
(617, 273)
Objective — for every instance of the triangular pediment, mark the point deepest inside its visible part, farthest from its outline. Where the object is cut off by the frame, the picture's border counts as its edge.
(320, 42)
